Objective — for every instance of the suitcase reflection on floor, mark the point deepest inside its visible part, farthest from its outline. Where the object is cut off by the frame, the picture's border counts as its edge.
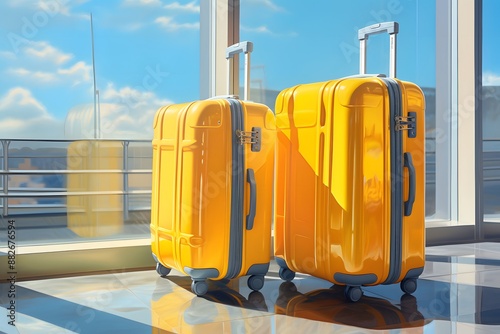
(329, 305)
(221, 292)
(174, 308)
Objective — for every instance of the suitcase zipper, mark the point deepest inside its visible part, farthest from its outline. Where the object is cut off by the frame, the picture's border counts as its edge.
(397, 123)
(237, 191)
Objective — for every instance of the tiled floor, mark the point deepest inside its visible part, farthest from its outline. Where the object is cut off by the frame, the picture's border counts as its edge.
(459, 292)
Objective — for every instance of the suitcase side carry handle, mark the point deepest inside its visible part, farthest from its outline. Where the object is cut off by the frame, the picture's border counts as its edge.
(253, 198)
(392, 28)
(408, 163)
(245, 47)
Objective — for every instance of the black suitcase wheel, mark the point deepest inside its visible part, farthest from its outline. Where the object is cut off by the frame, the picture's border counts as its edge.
(353, 293)
(199, 288)
(409, 285)
(162, 270)
(255, 282)
(286, 274)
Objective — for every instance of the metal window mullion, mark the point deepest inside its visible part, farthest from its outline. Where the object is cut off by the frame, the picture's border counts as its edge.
(454, 113)
(446, 118)
(219, 28)
(478, 117)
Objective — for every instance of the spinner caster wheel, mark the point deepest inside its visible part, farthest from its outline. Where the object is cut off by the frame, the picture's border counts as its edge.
(286, 274)
(409, 285)
(353, 293)
(255, 282)
(199, 288)
(162, 270)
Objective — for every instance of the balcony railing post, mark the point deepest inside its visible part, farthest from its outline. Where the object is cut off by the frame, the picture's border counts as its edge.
(5, 177)
(125, 181)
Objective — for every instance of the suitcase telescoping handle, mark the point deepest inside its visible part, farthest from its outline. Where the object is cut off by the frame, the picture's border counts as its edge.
(392, 28)
(245, 47)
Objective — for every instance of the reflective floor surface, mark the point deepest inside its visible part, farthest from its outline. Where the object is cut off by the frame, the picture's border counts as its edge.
(459, 292)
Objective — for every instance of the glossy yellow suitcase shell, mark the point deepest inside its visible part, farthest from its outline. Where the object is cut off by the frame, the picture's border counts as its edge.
(336, 178)
(212, 190)
(95, 181)
(350, 182)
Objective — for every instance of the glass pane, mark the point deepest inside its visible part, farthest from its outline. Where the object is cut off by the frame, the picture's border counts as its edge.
(296, 44)
(80, 84)
(491, 112)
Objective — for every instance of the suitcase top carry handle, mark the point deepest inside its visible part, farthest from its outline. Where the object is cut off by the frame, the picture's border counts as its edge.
(245, 47)
(392, 28)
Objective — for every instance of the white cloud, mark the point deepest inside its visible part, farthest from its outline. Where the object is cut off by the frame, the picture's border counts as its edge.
(44, 51)
(8, 55)
(39, 76)
(124, 113)
(42, 63)
(142, 3)
(190, 7)
(259, 30)
(23, 97)
(491, 79)
(19, 3)
(78, 73)
(45, 10)
(54, 7)
(169, 24)
(23, 116)
(133, 26)
(266, 31)
(267, 3)
(139, 14)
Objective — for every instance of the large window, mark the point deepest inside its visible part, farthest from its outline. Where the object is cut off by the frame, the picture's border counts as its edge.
(80, 83)
(491, 112)
(78, 95)
(295, 43)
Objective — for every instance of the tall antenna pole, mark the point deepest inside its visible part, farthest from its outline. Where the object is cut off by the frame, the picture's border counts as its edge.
(96, 114)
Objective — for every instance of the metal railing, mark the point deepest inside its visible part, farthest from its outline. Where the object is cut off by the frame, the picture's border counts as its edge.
(32, 160)
(491, 159)
(18, 156)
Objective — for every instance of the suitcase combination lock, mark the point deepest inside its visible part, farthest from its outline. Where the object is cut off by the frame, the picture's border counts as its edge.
(407, 123)
(251, 137)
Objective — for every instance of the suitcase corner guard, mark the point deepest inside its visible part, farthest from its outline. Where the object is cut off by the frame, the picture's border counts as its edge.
(201, 273)
(414, 273)
(355, 280)
(258, 269)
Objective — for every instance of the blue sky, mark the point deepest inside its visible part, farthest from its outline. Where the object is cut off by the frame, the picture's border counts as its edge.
(319, 42)
(147, 55)
(491, 27)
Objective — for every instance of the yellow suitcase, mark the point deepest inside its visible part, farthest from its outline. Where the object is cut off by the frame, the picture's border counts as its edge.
(350, 179)
(213, 165)
(95, 184)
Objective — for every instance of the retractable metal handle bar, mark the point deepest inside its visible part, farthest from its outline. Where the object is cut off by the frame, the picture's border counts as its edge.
(392, 28)
(245, 47)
